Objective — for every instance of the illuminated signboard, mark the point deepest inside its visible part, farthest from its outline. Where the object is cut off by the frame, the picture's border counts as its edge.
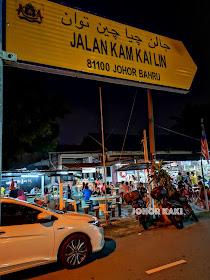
(52, 35)
(88, 170)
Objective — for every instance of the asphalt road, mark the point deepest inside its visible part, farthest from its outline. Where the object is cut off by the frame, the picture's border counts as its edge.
(128, 258)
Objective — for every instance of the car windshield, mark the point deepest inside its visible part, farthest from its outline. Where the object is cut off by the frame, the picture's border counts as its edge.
(37, 205)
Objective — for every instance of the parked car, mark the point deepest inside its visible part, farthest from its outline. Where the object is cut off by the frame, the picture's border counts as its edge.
(32, 235)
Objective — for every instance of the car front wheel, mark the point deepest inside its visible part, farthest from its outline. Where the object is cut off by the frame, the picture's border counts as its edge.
(74, 251)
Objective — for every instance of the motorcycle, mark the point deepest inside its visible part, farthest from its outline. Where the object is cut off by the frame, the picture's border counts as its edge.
(169, 203)
(176, 219)
(143, 219)
(137, 200)
(184, 201)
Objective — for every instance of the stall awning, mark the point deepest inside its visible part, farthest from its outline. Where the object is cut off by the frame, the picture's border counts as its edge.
(80, 165)
(129, 167)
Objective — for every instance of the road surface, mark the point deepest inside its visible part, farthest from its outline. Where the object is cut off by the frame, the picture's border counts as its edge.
(128, 258)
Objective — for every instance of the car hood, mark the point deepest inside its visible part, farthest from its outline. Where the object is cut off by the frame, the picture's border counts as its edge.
(78, 216)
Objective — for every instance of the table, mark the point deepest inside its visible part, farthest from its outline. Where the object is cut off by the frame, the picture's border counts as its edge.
(101, 200)
(78, 196)
(114, 190)
(81, 198)
(30, 197)
(72, 202)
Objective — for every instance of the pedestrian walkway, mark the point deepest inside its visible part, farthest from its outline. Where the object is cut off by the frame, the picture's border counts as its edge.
(199, 210)
(126, 213)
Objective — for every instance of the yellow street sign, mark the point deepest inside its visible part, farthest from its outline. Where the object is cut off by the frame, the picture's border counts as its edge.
(49, 34)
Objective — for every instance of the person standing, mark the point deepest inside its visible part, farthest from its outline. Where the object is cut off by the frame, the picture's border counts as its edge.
(103, 188)
(2, 190)
(126, 188)
(108, 190)
(179, 178)
(12, 185)
(74, 189)
(97, 182)
(87, 193)
(201, 190)
(190, 186)
(121, 190)
(194, 179)
(68, 192)
(189, 182)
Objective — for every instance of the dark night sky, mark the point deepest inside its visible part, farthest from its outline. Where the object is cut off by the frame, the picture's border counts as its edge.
(188, 21)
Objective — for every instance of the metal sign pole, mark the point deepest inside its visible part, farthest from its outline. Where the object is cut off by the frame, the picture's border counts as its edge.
(147, 162)
(151, 126)
(1, 96)
(205, 192)
(102, 132)
(151, 134)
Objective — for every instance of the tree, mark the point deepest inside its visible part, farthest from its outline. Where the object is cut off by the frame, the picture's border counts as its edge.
(30, 117)
(160, 176)
(189, 121)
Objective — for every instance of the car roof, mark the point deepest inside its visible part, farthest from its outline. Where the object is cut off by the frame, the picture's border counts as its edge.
(7, 199)
(26, 203)
(11, 199)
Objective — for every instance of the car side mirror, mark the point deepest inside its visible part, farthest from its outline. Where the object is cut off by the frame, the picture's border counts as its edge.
(41, 217)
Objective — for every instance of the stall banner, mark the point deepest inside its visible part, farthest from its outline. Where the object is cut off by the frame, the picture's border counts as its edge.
(123, 174)
(51, 34)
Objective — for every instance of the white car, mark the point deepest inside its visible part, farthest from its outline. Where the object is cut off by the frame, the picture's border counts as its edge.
(32, 235)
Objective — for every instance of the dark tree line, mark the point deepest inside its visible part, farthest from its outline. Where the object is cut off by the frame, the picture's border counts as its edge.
(30, 116)
(189, 120)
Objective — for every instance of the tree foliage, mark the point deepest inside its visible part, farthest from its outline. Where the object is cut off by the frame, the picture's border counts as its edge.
(160, 176)
(189, 121)
(30, 117)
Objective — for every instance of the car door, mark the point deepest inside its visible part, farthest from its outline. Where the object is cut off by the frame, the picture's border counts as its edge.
(23, 240)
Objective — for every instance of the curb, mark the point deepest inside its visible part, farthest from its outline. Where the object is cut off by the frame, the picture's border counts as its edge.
(122, 228)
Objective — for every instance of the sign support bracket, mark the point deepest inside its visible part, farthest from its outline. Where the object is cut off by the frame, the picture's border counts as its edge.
(8, 56)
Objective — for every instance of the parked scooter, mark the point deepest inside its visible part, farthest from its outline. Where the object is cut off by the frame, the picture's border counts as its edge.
(160, 194)
(144, 219)
(184, 201)
(135, 198)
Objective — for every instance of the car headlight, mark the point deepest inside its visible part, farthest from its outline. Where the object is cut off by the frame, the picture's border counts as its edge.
(95, 222)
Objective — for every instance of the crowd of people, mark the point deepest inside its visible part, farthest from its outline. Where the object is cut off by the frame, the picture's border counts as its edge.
(191, 185)
(14, 191)
(98, 189)
(188, 184)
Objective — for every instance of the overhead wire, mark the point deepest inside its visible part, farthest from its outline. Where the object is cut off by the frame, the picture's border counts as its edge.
(128, 125)
(116, 123)
(178, 133)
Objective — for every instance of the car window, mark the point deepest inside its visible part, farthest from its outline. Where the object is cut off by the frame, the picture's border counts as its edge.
(40, 206)
(16, 214)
